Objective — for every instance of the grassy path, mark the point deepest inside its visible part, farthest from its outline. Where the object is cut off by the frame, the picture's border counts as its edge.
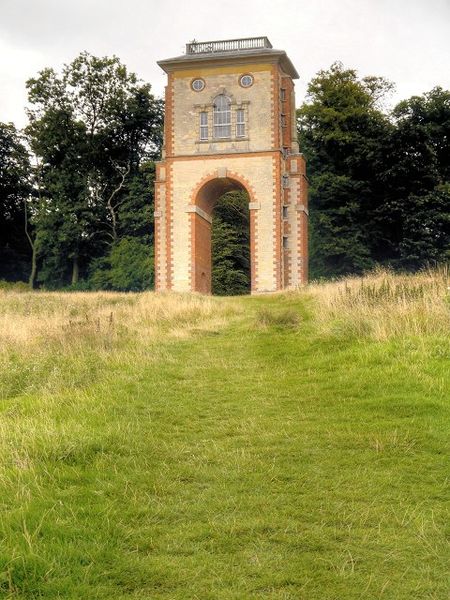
(251, 461)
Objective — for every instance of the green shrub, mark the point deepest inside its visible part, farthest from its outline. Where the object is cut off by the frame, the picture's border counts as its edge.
(128, 267)
(14, 286)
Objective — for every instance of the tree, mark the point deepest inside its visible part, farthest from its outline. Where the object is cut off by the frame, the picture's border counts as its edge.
(425, 120)
(15, 188)
(92, 127)
(416, 179)
(128, 264)
(339, 238)
(426, 231)
(342, 130)
(65, 222)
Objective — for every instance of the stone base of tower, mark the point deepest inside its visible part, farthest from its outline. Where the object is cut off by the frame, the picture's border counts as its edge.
(185, 194)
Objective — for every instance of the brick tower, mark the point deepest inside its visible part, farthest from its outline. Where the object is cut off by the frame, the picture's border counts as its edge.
(230, 124)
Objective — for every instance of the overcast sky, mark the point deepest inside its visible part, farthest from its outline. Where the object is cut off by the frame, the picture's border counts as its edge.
(407, 41)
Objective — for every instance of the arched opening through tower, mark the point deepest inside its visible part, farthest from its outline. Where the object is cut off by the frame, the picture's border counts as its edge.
(230, 245)
(221, 238)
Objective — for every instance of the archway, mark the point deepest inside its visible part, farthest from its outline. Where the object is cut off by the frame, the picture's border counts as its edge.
(205, 199)
(230, 245)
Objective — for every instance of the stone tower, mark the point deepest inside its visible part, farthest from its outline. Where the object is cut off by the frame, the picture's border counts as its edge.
(230, 124)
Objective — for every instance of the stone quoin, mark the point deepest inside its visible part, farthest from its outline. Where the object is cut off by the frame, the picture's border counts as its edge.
(230, 124)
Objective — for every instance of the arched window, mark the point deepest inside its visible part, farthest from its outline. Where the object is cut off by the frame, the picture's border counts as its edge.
(222, 117)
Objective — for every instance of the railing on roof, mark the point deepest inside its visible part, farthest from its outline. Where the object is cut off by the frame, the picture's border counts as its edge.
(227, 45)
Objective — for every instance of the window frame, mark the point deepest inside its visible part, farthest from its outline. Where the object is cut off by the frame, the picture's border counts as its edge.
(203, 126)
(222, 117)
(252, 80)
(240, 123)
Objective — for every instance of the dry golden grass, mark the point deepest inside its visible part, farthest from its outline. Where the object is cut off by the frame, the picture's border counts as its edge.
(32, 319)
(52, 341)
(382, 304)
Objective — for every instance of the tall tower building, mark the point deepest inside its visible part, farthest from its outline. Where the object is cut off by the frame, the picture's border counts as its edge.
(230, 124)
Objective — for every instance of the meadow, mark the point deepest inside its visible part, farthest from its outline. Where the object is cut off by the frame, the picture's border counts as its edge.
(291, 446)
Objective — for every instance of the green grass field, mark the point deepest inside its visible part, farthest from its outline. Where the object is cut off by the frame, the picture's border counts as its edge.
(284, 447)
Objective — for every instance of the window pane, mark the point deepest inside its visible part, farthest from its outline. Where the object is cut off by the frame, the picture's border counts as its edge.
(222, 131)
(203, 125)
(198, 85)
(240, 123)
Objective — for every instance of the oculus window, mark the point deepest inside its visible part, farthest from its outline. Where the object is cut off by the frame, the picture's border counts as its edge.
(246, 80)
(198, 85)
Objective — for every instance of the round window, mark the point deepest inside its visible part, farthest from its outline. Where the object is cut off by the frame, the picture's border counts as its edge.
(198, 85)
(246, 80)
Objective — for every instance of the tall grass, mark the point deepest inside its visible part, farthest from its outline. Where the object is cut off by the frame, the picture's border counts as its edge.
(60, 340)
(30, 318)
(383, 304)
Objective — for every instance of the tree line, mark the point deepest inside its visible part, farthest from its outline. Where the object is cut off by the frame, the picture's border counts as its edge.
(379, 180)
(76, 185)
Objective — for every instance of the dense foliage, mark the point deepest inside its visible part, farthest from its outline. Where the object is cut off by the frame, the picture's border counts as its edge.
(379, 183)
(95, 131)
(14, 190)
(76, 187)
(231, 245)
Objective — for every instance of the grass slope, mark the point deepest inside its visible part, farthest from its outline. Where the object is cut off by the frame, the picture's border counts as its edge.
(184, 447)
